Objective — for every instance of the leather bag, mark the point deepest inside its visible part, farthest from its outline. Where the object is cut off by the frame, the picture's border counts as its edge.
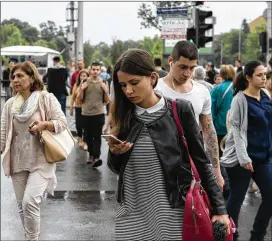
(57, 146)
(197, 224)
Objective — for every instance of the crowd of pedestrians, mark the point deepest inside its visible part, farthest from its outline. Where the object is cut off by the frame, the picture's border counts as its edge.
(227, 122)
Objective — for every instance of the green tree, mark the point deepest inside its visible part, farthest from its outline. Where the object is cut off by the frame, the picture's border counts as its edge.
(252, 44)
(42, 43)
(29, 33)
(88, 52)
(10, 35)
(148, 14)
(245, 27)
(252, 47)
(48, 30)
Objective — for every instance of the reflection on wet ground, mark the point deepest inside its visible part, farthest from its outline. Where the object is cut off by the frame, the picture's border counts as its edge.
(84, 205)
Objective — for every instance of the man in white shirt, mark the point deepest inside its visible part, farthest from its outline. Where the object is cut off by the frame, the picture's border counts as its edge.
(179, 85)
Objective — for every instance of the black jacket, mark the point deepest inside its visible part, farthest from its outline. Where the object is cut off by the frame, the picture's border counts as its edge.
(172, 156)
(56, 80)
(6, 80)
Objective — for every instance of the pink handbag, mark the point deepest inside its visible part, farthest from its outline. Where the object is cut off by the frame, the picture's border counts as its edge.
(197, 224)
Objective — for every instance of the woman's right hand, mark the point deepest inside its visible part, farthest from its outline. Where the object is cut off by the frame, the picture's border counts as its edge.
(249, 167)
(71, 111)
(119, 148)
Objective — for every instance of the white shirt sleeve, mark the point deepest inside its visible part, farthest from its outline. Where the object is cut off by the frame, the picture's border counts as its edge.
(207, 106)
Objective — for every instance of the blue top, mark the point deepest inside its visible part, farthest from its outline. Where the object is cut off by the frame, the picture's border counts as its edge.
(220, 106)
(259, 132)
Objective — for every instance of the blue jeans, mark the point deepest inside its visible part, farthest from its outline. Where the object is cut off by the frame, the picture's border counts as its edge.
(62, 101)
(239, 179)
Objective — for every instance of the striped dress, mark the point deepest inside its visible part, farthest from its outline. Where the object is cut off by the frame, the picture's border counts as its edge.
(145, 213)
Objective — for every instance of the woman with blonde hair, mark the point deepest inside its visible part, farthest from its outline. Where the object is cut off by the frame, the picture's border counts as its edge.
(26, 114)
(83, 75)
(221, 101)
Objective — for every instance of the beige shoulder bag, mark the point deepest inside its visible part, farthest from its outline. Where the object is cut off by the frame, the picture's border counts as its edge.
(57, 146)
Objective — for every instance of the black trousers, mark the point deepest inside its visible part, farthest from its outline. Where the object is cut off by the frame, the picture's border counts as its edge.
(93, 127)
(79, 122)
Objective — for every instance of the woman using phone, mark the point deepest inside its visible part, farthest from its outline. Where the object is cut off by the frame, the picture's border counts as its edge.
(153, 170)
(26, 114)
(82, 77)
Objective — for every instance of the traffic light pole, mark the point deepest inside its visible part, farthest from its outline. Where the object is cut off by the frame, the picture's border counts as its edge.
(269, 30)
(196, 27)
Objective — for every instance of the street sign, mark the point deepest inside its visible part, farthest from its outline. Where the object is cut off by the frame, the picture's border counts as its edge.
(170, 43)
(177, 10)
(174, 28)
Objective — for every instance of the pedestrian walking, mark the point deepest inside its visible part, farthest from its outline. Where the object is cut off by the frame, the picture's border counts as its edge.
(199, 76)
(82, 77)
(222, 96)
(248, 148)
(6, 80)
(30, 111)
(80, 66)
(57, 79)
(151, 162)
(178, 84)
(93, 94)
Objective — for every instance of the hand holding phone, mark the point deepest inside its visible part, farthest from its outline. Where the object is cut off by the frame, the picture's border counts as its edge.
(111, 138)
(117, 146)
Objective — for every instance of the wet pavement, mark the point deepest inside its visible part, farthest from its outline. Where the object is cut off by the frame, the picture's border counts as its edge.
(84, 204)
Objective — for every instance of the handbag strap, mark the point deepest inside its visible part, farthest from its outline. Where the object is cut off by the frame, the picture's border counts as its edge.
(181, 132)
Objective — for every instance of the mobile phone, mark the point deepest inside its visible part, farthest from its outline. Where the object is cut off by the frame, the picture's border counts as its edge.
(108, 137)
(31, 125)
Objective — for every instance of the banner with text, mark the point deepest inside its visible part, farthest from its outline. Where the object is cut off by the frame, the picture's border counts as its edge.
(174, 28)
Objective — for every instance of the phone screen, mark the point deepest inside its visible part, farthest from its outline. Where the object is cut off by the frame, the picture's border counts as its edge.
(112, 138)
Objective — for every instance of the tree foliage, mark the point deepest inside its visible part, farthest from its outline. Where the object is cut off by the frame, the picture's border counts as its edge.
(16, 32)
(250, 46)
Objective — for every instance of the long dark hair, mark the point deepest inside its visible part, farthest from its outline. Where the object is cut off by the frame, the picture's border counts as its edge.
(79, 74)
(241, 82)
(134, 62)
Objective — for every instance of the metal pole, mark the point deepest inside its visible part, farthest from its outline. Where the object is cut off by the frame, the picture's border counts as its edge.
(196, 26)
(269, 29)
(72, 31)
(239, 45)
(79, 39)
(221, 52)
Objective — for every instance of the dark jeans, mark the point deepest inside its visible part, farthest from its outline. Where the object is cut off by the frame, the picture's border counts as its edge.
(79, 122)
(62, 101)
(223, 172)
(93, 126)
(239, 179)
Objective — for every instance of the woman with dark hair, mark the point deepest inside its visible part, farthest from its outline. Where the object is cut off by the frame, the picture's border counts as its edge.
(83, 75)
(152, 164)
(26, 114)
(248, 148)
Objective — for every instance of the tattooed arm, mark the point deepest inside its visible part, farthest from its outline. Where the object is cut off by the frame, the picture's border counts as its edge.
(211, 145)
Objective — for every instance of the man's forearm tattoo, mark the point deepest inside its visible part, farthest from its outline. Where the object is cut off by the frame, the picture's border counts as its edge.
(211, 142)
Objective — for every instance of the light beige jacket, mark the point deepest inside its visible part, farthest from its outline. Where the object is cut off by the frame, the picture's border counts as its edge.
(50, 110)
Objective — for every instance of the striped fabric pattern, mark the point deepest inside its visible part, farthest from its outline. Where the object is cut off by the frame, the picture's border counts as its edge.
(145, 213)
